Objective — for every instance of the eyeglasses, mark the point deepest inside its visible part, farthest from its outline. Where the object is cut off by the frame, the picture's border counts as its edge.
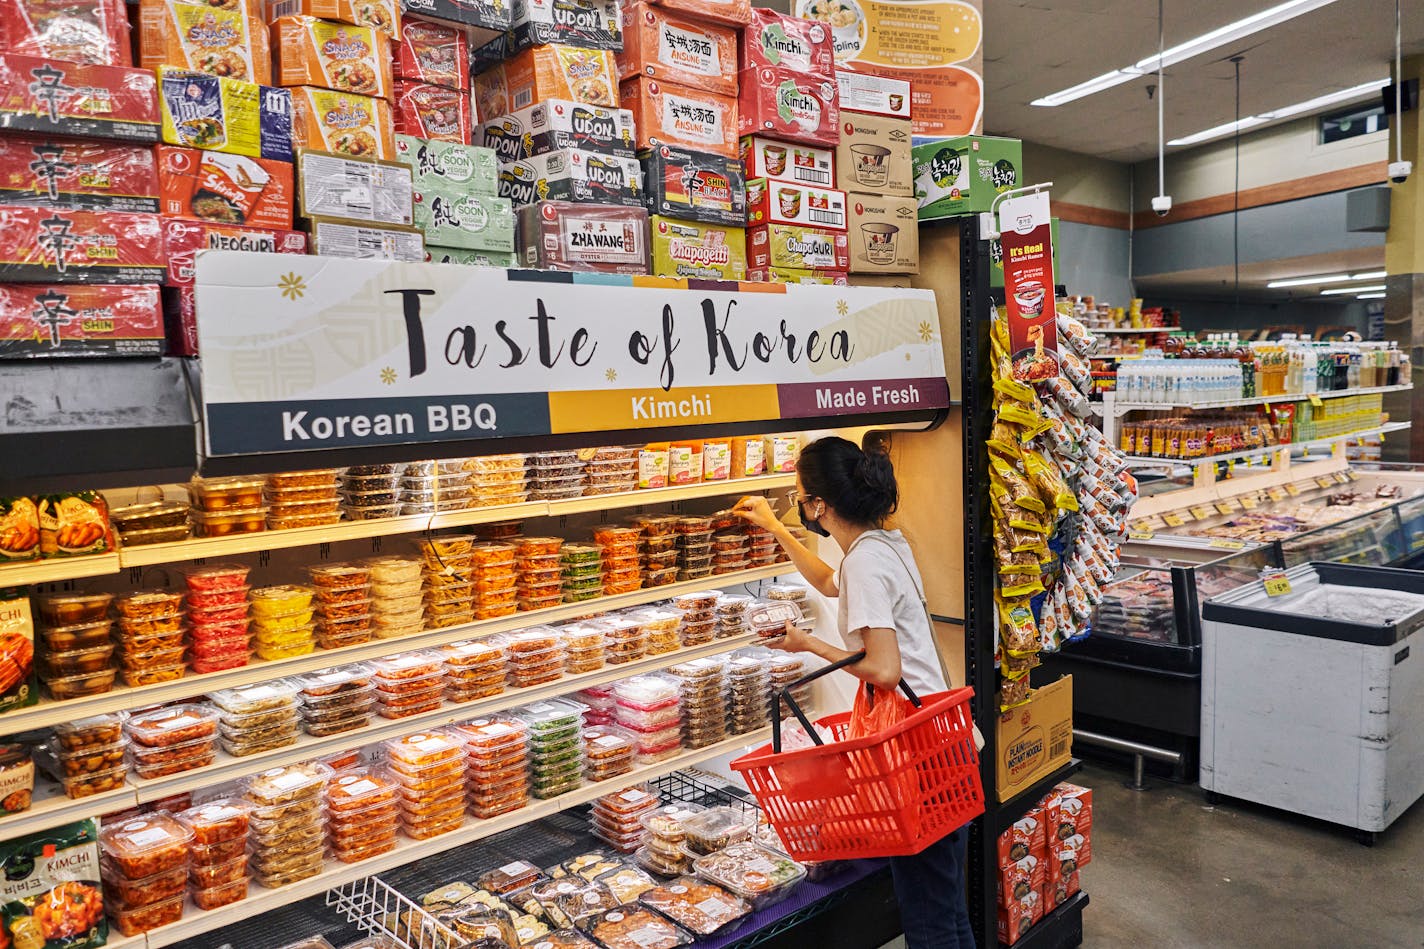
(797, 498)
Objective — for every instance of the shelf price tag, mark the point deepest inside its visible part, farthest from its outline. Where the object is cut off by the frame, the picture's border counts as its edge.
(1227, 506)
(1315, 400)
(1248, 502)
(1342, 478)
(1138, 533)
(1276, 493)
(1350, 474)
(1293, 489)
(1173, 519)
(1226, 543)
(1200, 511)
(1275, 581)
(1325, 481)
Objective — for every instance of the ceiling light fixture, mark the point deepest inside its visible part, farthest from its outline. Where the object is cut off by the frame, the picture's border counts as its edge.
(1340, 290)
(1370, 296)
(1370, 275)
(1307, 281)
(1361, 91)
(1205, 43)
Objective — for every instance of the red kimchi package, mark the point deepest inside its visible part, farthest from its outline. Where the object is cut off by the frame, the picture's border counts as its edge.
(38, 320)
(67, 173)
(790, 106)
(432, 112)
(74, 31)
(433, 53)
(52, 97)
(46, 245)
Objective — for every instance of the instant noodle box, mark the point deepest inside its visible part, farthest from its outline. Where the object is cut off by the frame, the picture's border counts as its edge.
(836, 278)
(695, 251)
(330, 55)
(467, 168)
(224, 188)
(695, 186)
(874, 155)
(875, 95)
(432, 112)
(796, 162)
(571, 174)
(52, 97)
(493, 15)
(735, 13)
(96, 31)
(45, 245)
(556, 124)
(782, 202)
(342, 122)
(796, 247)
(783, 42)
(560, 235)
(660, 43)
(383, 15)
(225, 115)
(19, 540)
(354, 189)
(594, 24)
(38, 320)
(884, 234)
(682, 116)
(433, 53)
(366, 241)
(64, 173)
(788, 105)
(547, 72)
(957, 176)
(470, 258)
(454, 218)
(220, 40)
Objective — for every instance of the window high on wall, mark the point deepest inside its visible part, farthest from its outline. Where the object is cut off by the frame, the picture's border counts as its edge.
(1348, 123)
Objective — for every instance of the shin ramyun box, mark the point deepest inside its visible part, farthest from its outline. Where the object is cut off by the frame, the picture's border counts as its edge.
(39, 320)
(53, 97)
(45, 171)
(46, 245)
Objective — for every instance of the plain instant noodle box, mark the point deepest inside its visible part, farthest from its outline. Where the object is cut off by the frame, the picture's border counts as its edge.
(682, 116)
(226, 40)
(547, 72)
(329, 55)
(788, 105)
(795, 247)
(781, 202)
(796, 162)
(662, 44)
(561, 235)
(95, 32)
(342, 122)
(695, 251)
(225, 115)
(556, 124)
(52, 97)
(432, 112)
(224, 188)
(433, 53)
(695, 186)
(66, 173)
(38, 320)
(45, 245)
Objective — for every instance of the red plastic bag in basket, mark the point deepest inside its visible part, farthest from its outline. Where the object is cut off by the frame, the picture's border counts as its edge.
(871, 716)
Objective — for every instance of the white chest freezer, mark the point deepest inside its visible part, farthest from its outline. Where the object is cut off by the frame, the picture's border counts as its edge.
(1313, 702)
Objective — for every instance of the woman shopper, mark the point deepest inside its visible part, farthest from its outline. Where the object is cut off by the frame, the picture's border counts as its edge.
(845, 493)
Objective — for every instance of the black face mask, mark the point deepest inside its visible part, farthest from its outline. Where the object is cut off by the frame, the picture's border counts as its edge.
(814, 526)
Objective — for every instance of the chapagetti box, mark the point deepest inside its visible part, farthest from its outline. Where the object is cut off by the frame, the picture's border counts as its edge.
(64, 173)
(46, 245)
(1035, 738)
(432, 112)
(366, 241)
(874, 155)
(884, 234)
(433, 53)
(837, 278)
(225, 115)
(695, 186)
(572, 174)
(469, 168)
(39, 320)
(788, 105)
(783, 42)
(560, 235)
(695, 251)
(483, 14)
(94, 32)
(556, 124)
(682, 116)
(354, 189)
(797, 248)
(453, 218)
(662, 44)
(228, 189)
(875, 95)
(52, 97)
(958, 176)
(470, 258)
(342, 122)
(383, 15)
(547, 72)
(786, 161)
(781, 202)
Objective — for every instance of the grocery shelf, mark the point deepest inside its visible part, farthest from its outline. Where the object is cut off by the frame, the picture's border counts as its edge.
(49, 807)
(1130, 330)
(1255, 400)
(260, 900)
(50, 712)
(58, 570)
(1141, 461)
(1017, 806)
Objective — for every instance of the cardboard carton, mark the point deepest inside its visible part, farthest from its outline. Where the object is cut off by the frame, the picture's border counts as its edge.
(963, 175)
(470, 168)
(797, 162)
(1035, 738)
(884, 234)
(874, 155)
(353, 189)
(781, 202)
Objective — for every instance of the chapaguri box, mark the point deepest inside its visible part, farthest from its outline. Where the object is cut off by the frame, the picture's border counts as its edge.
(453, 218)
(963, 175)
(781, 202)
(561, 235)
(470, 258)
(354, 189)
(783, 161)
(692, 250)
(225, 115)
(63, 173)
(367, 241)
(884, 234)
(468, 168)
(572, 174)
(874, 155)
(797, 248)
(40, 320)
(809, 277)
(559, 123)
(695, 186)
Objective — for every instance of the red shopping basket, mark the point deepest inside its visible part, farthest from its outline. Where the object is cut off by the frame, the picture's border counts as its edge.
(884, 795)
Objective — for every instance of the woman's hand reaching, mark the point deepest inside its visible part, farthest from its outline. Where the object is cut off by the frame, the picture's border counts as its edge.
(795, 639)
(755, 510)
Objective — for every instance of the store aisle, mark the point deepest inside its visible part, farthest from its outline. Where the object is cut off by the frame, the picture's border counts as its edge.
(1170, 872)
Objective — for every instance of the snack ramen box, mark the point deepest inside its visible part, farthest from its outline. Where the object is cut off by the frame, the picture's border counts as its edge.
(796, 162)
(783, 42)
(223, 188)
(467, 168)
(788, 105)
(1024, 837)
(52, 97)
(365, 241)
(453, 218)
(781, 202)
(1069, 810)
(559, 123)
(39, 320)
(225, 40)
(1018, 917)
(695, 186)
(46, 245)
(63, 884)
(470, 258)
(694, 251)
(433, 53)
(95, 32)
(958, 176)
(662, 44)
(19, 540)
(572, 174)
(342, 122)
(354, 189)
(826, 278)
(68, 173)
(874, 155)
(884, 234)
(225, 115)
(734, 13)
(547, 72)
(183, 240)
(383, 15)
(432, 112)
(494, 15)
(1018, 878)
(795, 247)
(560, 235)
(681, 116)
(330, 55)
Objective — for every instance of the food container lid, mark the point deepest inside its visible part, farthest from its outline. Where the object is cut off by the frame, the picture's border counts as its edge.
(424, 748)
(205, 486)
(492, 732)
(140, 836)
(352, 791)
(550, 716)
(216, 577)
(328, 682)
(147, 511)
(153, 728)
(213, 813)
(647, 692)
(627, 803)
(290, 782)
(407, 665)
(257, 697)
(271, 598)
(667, 821)
(93, 601)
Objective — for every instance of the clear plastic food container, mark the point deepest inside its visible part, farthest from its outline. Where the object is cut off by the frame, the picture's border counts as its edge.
(148, 845)
(716, 828)
(761, 877)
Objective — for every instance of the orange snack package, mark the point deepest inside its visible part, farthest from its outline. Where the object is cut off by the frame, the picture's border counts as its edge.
(219, 39)
(670, 114)
(383, 15)
(339, 56)
(342, 122)
(661, 44)
(589, 76)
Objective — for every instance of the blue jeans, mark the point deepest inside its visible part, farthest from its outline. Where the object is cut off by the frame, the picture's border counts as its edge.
(930, 889)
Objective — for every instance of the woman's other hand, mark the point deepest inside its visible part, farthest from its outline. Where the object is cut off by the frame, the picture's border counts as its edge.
(755, 510)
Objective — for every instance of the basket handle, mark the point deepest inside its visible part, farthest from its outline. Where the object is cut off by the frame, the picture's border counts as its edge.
(784, 695)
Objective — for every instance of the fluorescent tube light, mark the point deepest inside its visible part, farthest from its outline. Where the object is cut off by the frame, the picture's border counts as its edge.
(1340, 290)
(1307, 281)
(1300, 108)
(1370, 296)
(1220, 131)
(1370, 275)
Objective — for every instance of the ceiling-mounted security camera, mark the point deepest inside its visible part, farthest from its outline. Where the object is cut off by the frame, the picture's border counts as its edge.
(1399, 171)
(1162, 204)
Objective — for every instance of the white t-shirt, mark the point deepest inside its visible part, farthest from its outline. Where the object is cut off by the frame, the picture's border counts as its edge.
(876, 591)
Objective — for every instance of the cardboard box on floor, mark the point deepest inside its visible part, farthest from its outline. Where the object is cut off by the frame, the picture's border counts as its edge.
(1035, 738)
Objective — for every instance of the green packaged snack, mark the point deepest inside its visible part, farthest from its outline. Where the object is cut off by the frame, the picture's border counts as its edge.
(50, 892)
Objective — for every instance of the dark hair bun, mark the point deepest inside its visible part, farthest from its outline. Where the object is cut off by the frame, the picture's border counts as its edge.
(858, 485)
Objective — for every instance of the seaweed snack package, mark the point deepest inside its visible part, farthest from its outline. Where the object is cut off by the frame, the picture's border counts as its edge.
(431, 112)
(50, 320)
(383, 15)
(661, 44)
(94, 31)
(224, 188)
(19, 529)
(681, 116)
(433, 53)
(225, 115)
(342, 122)
(18, 686)
(74, 524)
(328, 55)
(49, 246)
(217, 39)
(51, 896)
(63, 173)
(51, 97)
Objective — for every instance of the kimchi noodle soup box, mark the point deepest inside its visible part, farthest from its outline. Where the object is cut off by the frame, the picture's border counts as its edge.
(561, 235)
(789, 105)
(38, 320)
(52, 97)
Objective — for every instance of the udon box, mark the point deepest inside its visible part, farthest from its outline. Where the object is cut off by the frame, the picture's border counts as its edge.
(39, 320)
(342, 122)
(662, 44)
(789, 105)
(223, 188)
(571, 174)
(433, 53)
(53, 97)
(594, 24)
(383, 15)
(562, 235)
(783, 42)
(796, 247)
(493, 15)
(781, 202)
(693, 251)
(66, 173)
(547, 72)
(431, 112)
(94, 32)
(45, 245)
(225, 115)
(681, 116)
(329, 55)
(217, 39)
(559, 123)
